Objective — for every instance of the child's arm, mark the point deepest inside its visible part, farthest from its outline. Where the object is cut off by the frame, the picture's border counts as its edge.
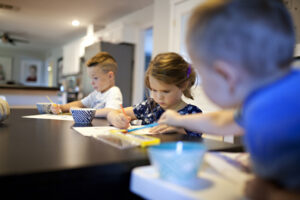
(56, 109)
(118, 119)
(103, 112)
(164, 128)
(216, 123)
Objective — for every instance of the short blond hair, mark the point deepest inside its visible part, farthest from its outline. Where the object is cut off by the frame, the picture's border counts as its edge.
(105, 61)
(257, 35)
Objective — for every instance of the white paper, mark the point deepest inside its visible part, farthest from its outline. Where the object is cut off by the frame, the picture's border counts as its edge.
(49, 116)
(93, 131)
(103, 133)
(219, 162)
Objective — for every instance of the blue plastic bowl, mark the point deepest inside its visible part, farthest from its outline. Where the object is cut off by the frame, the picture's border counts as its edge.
(177, 162)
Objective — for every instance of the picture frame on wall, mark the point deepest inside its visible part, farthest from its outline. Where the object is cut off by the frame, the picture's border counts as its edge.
(31, 71)
(5, 69)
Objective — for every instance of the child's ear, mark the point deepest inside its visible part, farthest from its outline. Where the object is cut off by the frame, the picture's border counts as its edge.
(228, 72)
(184, 85)
(111, 74)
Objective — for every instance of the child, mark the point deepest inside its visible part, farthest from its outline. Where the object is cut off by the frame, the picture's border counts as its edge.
(106, 96)
(243, 50)
(168, 77)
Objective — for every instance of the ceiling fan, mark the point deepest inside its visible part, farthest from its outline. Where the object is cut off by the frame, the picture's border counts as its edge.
(6, 38)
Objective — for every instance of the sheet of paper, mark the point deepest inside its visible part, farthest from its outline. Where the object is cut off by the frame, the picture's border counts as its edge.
(49, 116)
(225, 165)
(116, 138)
(94, 130)
(103, 133)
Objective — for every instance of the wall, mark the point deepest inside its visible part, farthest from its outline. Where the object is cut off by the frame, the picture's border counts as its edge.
(19, 55)
(297, 50)
(52, 58)
(161, 26)
(130, 29)
(126, 29)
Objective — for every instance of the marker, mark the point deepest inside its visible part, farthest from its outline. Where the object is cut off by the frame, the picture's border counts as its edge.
(123, 110)
(139, 128)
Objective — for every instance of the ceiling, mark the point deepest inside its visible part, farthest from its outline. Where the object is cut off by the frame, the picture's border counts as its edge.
(46, 24)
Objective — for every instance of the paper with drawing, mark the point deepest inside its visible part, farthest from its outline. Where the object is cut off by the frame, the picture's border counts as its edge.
(96, 130)
(116, 138)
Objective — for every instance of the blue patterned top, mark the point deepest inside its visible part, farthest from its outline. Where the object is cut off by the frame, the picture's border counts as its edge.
(149, 112)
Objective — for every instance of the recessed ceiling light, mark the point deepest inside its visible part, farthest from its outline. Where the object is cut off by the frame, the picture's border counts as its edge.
(75, 23)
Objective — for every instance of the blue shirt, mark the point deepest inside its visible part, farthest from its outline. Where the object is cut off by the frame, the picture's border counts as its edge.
(149, 112)
(271, 119)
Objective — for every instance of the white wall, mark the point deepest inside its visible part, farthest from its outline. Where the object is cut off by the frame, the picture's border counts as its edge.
(51, 60)
(126, 29)
(161, 26)
(130, 29)
(297, 50)
(19, 55)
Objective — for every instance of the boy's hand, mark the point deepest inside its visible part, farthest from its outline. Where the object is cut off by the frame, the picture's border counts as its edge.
(55, 109)
(169, 117)
(118, 119)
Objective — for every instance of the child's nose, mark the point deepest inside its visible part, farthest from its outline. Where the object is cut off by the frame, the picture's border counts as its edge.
(160, 95)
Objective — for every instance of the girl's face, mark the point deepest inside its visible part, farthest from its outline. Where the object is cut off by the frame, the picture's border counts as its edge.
(166, 95)
(100, 81)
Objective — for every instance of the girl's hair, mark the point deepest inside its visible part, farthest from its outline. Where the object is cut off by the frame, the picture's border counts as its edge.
(171, 68)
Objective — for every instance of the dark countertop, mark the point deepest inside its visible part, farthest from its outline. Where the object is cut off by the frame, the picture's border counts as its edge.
(48, 159)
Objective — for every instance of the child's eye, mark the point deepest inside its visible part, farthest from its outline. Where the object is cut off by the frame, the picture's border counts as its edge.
(166, 91)
(154, 90)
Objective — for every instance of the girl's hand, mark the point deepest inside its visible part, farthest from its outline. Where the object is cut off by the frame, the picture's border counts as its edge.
(55, 109)
(163, 128)
(118, 119)
(170, 117)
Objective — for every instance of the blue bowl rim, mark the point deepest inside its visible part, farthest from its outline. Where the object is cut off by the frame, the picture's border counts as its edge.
(162, 146)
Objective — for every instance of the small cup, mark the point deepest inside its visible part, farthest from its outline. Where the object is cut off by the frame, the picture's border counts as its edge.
(44, 108)
(83, 115)
(177, 162)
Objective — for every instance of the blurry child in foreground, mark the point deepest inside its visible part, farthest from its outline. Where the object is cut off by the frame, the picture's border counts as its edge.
(243, 49)
(101, 69)
(168, 77)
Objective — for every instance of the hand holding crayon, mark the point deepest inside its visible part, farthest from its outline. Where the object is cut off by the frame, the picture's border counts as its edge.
(55, 108)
